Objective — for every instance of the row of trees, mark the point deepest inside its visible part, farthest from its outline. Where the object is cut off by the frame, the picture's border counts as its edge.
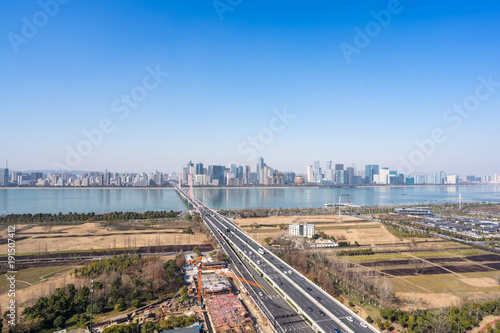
(454, 319)
(336, 276)
(82, 217)
(356, 252)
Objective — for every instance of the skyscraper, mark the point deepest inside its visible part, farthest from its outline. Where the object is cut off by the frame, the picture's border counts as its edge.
(4, 177)
(370, 171)
(310, 174)
(328, 164)
(199, 168)
(317, 172)
(339, 177)
(260, 166)
(246, 175)
(350, 175)
(216, 172)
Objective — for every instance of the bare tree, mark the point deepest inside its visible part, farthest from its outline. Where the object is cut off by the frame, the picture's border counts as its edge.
(440, 321)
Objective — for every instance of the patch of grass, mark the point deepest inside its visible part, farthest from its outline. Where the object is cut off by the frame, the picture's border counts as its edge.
(32, 275)
(471, 252)
(431, 254)
(372, 311)
(377, 257)
(447, 283)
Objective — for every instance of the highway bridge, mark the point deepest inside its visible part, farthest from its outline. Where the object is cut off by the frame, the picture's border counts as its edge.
(324, 312)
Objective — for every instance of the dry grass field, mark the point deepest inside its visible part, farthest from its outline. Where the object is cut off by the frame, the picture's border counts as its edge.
(90, 236)
(351, 229)
(27, 293)
(439, 278)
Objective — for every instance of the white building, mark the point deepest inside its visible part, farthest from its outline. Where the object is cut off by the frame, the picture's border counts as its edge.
(302, 230)
(452, 179)
(310, 174)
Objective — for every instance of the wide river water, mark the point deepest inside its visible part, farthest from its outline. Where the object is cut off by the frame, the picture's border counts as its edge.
(52, 200)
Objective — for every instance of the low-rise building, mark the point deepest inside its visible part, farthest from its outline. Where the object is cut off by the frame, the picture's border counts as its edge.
(301, 229)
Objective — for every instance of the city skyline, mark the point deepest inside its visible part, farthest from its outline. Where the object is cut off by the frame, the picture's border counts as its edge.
(200, 174)
(398, 82)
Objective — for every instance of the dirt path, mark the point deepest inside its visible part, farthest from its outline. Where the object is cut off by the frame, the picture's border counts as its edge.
(482, 325)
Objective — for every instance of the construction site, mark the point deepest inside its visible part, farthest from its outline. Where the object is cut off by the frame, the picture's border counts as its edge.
(226, 311)
(228, 314)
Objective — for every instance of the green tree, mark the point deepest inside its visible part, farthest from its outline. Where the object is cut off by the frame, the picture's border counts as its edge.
(267, 240)
(59, 322)
(197, 250)
(148, 327)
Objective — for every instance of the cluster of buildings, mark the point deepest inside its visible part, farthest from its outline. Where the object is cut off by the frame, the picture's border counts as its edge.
(336, 174)
(85, 179)
(469, 228)
(234, 175)
(238, 175)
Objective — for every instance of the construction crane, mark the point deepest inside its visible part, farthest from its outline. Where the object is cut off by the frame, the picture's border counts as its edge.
(200, 266)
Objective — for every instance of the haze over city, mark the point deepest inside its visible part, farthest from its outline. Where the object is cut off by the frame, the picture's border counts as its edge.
(165, 83)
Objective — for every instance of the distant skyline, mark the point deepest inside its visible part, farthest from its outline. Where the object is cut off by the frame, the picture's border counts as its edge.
(144, 86)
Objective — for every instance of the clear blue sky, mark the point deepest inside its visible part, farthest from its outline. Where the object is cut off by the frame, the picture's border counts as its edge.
(225, 78)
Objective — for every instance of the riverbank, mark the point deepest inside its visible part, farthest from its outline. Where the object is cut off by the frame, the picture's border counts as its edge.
(225, 187)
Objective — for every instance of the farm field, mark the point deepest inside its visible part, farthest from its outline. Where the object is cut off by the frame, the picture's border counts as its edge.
(437, 279)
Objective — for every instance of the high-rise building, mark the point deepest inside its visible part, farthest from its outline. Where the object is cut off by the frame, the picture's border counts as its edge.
(36, 175)
(310, 174)
(184, 175)
(4, 177)
(442, 177)
(199, 168)
(239, 172)
(246, 175)
(216, 172)
(260, 166)
(370, 171)
(328, 164)
(107, 179)
(435, 178)
(317, 172)
(339, 177)
(339, 167)
(350, 175)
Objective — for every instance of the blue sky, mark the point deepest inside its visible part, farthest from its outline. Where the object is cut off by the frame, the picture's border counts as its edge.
(228, 78)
